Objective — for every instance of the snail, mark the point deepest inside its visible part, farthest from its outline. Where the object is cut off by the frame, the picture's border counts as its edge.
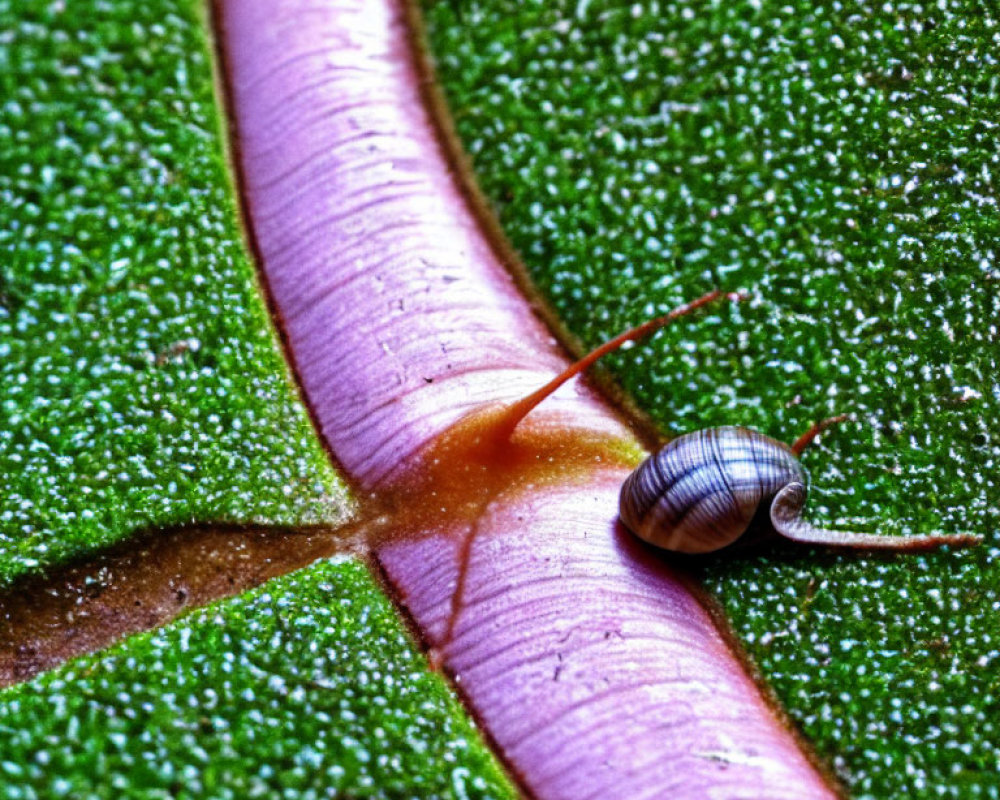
(705, 490)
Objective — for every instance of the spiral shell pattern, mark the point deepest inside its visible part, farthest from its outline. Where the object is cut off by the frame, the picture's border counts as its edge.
(701, 491)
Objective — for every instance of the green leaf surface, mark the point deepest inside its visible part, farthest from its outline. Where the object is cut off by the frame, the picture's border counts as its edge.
(307, 687)
(140, 379)
(840, 162)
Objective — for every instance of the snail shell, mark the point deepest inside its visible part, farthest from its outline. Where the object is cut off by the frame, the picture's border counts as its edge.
(702, 490)
(705, 490)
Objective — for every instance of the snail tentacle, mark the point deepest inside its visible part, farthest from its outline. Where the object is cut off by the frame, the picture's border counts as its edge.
(519, 410)
(786, 517)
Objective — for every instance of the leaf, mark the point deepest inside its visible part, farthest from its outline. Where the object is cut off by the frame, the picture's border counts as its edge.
(401, 322)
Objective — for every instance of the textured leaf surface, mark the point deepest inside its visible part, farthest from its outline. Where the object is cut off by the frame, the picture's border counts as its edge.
(307, 687)
(841, 161)
(401, 321)
(140, 381)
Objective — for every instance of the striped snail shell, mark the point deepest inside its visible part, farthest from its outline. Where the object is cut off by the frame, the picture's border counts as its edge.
(704, 490)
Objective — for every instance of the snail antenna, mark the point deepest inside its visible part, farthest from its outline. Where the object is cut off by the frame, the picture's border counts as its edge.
(519, 410)
(815, 430)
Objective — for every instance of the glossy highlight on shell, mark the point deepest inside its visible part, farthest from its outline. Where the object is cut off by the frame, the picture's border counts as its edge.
(702, 490)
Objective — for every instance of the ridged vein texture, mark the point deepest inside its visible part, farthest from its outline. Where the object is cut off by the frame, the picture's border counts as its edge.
(592, 667)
